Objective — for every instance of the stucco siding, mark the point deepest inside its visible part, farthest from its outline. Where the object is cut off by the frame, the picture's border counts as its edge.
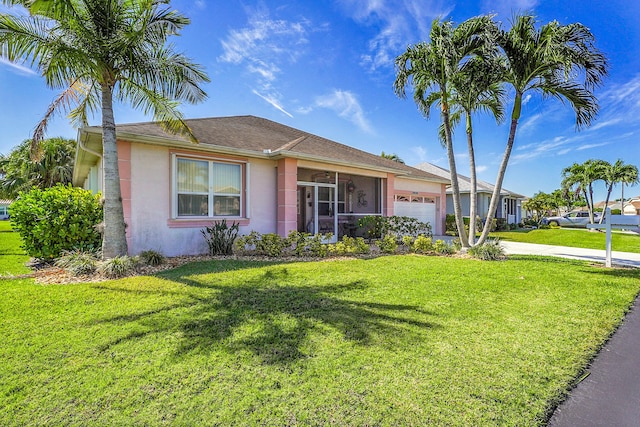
(151, 224)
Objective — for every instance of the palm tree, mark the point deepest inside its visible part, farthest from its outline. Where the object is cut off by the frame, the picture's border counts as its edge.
(477, 88)
(581, 177)
(21, 173)
(430, 69)
(393, 157)
(615, 173)
(98, 51)
(549, 60)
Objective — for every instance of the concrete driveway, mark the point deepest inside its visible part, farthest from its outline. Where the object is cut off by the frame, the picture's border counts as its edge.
(625, 259)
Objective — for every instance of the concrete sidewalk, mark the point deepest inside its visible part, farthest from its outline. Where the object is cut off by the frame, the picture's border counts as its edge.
(610, 394)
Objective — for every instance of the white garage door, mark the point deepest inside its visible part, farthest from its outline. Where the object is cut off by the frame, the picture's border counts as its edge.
(423, 209)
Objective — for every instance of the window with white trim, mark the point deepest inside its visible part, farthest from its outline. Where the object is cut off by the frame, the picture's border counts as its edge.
(207, 188)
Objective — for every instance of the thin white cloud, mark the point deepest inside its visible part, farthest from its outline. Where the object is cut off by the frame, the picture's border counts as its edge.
(526, 99)
(530, 123)
(506, 8)
(20, 69)
(201, 4)
(397, 24)
(606, 123)
(564, 151)
(420, 152)
(273, 102)
(481, 168)
(264, 47)
(346, 105)
(589, 146)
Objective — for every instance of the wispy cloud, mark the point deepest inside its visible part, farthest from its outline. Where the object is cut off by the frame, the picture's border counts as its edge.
(397, 24)
(589, 146)
(20, 69)
(530, 123)
(263, 48)
(606, 123)
(273, 101)
(420, 152)
(481, 168)
(506, 8)
(346, 105)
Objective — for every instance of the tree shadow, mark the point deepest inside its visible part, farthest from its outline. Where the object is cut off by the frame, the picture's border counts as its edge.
(275, 315)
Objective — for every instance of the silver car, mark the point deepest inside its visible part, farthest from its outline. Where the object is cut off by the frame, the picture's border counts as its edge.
(572, 219)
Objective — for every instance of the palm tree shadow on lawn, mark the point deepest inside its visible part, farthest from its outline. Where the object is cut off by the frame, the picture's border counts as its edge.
(273, 318)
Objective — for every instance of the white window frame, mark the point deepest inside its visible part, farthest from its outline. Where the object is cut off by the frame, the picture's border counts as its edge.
(243, 194)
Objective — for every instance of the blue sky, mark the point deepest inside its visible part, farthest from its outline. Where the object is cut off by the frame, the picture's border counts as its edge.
(326, 67)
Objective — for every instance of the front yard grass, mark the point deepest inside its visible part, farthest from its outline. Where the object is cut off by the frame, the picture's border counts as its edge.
(573, 238)
(12, 257)
(398, 340)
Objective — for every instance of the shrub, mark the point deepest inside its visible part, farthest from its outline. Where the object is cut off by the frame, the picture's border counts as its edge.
(376, 227)
(78, 262)
(220, 237)
(349, 246)
(407, 241)
(423, 245)
(443, 248)
(489, 251)
(450, 224)
(271, 244)
(117, 267)
(387, 244)
(152, 258)
(501, 224)
(317, 247)
(298, 242)
(57, 219)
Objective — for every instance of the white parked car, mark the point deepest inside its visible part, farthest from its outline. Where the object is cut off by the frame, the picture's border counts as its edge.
(572, 219)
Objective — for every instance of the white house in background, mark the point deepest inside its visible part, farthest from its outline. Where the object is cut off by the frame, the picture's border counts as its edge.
(632, 206)
(509, 206)
(4, 208)
(263, 175)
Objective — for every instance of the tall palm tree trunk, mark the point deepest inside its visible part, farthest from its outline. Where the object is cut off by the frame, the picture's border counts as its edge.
(114, 241)
(606, 202)
(495, 196)
(455, 188)
(473, 194)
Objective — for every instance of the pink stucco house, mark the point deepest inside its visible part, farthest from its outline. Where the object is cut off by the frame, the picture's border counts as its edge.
(268, 177)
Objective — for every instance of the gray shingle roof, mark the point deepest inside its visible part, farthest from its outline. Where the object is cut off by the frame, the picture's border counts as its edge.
(464, 182)
(259, 135)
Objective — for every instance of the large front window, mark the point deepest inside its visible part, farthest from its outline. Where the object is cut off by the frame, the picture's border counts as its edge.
(206, 188)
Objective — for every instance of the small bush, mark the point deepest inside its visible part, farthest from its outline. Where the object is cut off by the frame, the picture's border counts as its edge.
(317, 247)
(271, 244)
(152, 258)
(117, 267)
(387, 244)
(501, 224)
(349, 246)
(298, 242)
(220, 237)
(489, 251)
(78, 262)
(376, 227)
(57, 219)
(423, 245)
(443, 248)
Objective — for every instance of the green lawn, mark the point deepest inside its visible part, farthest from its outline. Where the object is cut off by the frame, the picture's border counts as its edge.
(12, 257)
(573, 238)
(401, 340)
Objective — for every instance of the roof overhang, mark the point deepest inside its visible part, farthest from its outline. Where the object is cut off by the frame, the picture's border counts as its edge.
(89, 149)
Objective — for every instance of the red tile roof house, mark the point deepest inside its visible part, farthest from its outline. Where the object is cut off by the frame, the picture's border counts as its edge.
(266, 176)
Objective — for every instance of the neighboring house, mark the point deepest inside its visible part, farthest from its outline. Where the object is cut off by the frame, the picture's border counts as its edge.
(4, 208)
(509, 206)
(632, 206)
(266, 176)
